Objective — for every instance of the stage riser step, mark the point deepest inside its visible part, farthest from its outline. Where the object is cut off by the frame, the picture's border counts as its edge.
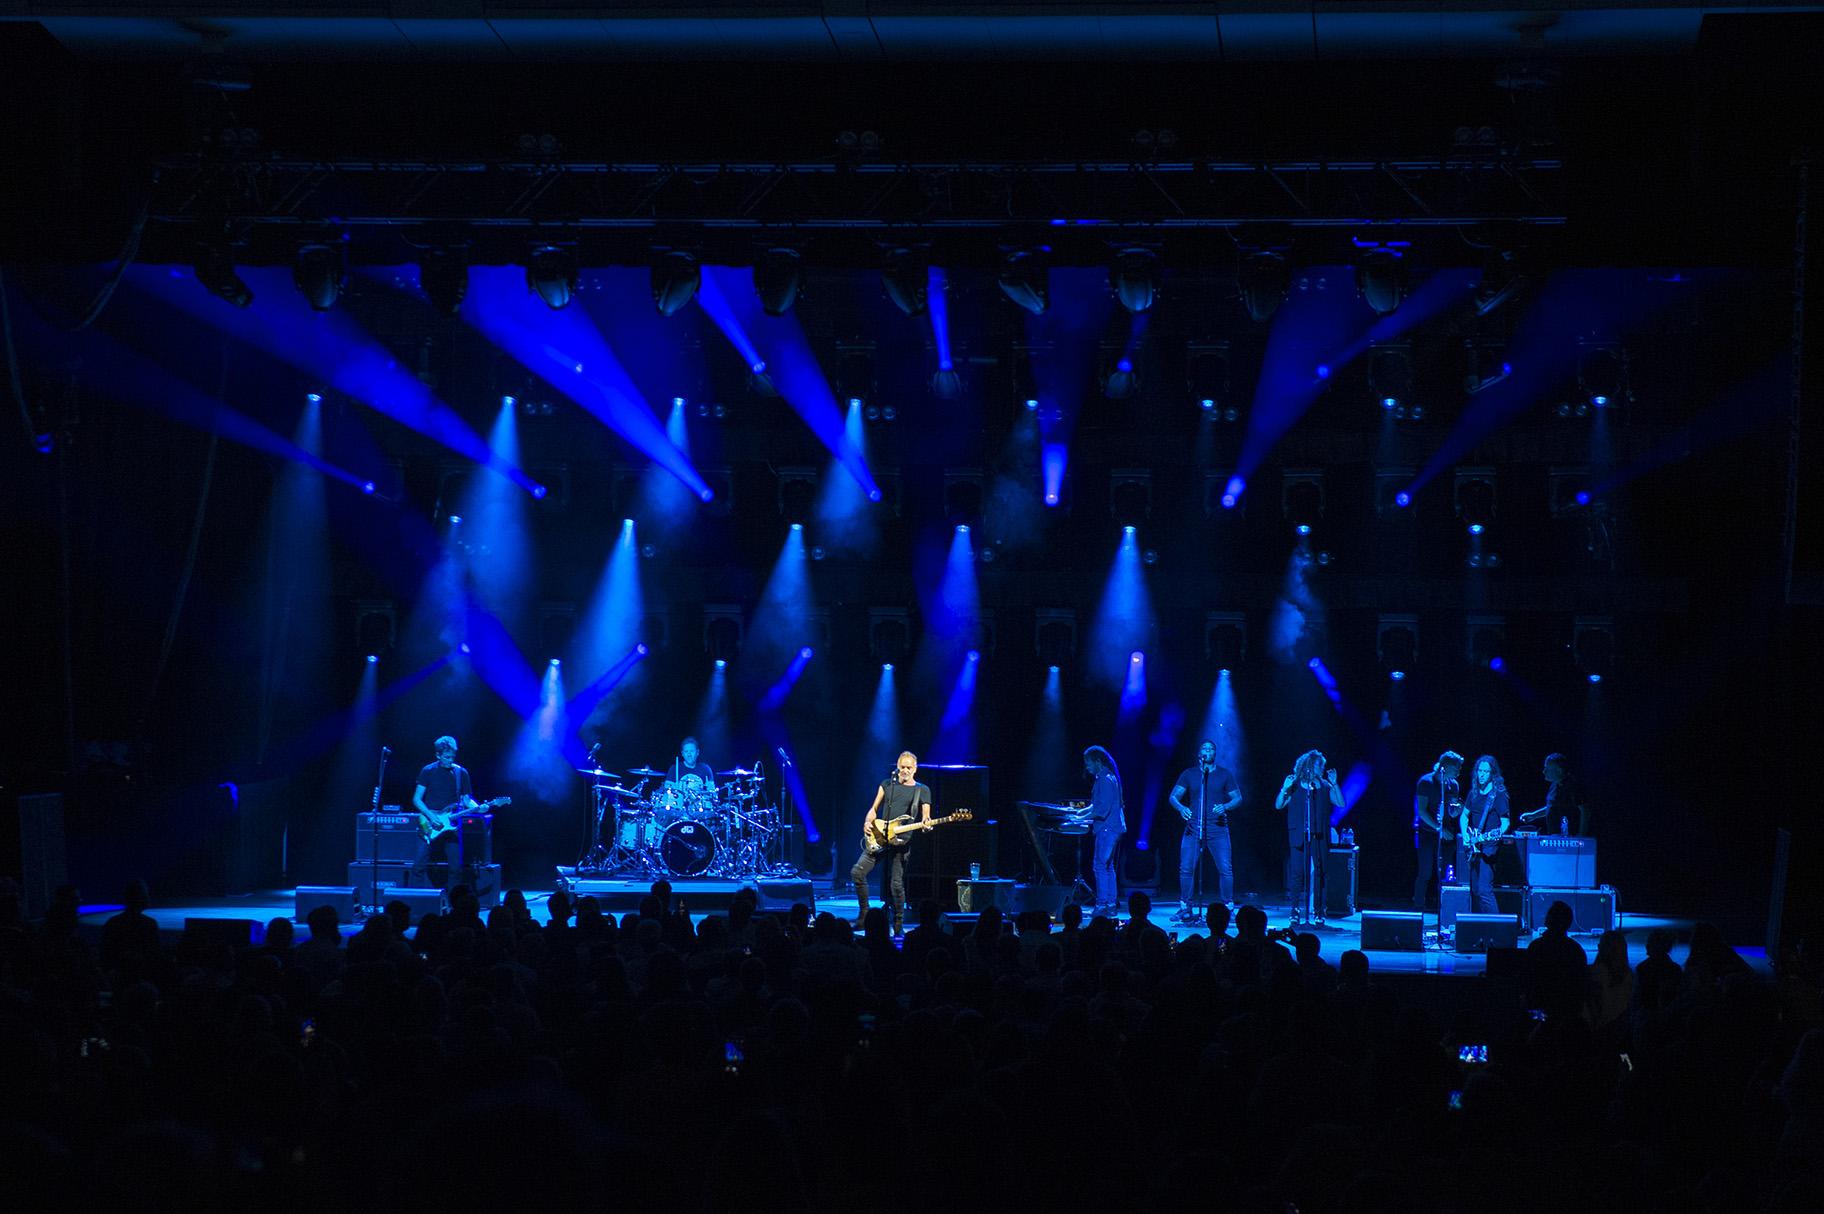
(699, 897)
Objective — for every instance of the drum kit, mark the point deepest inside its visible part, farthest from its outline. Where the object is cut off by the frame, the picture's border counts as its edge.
(681, 828)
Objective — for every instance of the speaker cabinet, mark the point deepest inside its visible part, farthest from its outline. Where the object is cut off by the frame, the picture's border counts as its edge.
(974, 897)
(1592, 910)
(420, 902)
(340, 898)
(1480, 933)
(1340, 882)
(398, 836)
(1393, 931)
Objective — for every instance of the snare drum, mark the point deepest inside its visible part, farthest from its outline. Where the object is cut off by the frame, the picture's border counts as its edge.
(682, 801)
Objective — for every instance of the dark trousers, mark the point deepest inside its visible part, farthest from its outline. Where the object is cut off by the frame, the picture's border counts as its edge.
(895, 860)
(1297, 870)
(1216, 842)
(440, 856)
(1479, 872)
(1425, 866)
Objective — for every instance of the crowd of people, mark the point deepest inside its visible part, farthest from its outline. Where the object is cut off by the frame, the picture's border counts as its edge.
(785, 1062)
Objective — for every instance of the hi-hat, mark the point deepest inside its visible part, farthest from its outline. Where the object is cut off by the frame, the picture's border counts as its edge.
(597, 772)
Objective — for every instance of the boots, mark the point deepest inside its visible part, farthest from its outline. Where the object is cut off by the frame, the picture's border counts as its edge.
(861, 905)
(899, 918)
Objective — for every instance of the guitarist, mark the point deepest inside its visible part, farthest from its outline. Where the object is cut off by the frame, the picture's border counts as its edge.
(1484, 813)
(903, 794)
(441, 785)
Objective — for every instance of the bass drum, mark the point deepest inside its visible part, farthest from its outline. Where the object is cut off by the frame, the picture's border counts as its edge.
(637, 831)
(687, 849)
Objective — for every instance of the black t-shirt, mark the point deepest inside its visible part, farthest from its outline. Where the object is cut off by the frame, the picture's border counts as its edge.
(1434, 790)
(902, 799)
(680, 773)
(1562, 801)
(1221, 785)
(443, 785)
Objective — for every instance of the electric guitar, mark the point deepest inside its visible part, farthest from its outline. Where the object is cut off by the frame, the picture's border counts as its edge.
(894, 832)
(1484, 842)
(435, 822)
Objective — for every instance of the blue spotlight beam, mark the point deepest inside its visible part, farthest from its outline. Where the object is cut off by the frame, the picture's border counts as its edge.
(775, 697)
(566, 350)
(1316, 334)
(1064, 342)
(611, 623)
(330, 348)
(1750, 404)
(956, 731)
(1124, 619)
(1543, 352)
(844, 521)
(125, 376)
(583, 705)
(937, 304)
(778, 344)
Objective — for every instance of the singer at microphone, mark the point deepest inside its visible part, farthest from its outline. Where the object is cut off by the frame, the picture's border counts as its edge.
(1434, 823)
(1204, 796)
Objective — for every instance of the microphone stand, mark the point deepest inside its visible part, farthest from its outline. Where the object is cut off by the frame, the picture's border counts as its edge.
(1203, 808)
(372, 906)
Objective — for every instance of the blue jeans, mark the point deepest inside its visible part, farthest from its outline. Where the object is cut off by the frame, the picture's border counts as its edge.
(1216, 842)
(1107, 893)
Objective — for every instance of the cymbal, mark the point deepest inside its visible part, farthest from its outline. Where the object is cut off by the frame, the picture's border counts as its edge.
(597, 772)
(648, 772)
(736, 771)
(618, 791)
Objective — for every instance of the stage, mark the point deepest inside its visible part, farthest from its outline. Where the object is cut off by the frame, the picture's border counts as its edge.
(1341, 935)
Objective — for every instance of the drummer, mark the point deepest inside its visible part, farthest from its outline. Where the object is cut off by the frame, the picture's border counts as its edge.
(688, 772)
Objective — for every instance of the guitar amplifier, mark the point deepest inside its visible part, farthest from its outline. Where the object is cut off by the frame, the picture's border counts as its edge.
(1559, 861)
(398, 835)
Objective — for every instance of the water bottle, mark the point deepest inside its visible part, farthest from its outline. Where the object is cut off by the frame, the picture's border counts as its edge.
(1564, 825)
(975, 872)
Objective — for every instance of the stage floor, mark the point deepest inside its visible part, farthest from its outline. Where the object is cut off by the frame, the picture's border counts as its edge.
(1341, 935)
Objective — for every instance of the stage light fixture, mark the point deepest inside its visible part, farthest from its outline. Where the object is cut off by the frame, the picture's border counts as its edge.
(675, 277)
(1264, 280)
(778, 276)
(443, 276)
(1390, 375)
(1122, 382)
(215, 270)
(1602, 376)
(1207, 376)
(855, 375)
(907, 280)
(318, 274)
(946, 383)
(1501, 281)
(1135, 277)
(551, 274)
(1024, 279)
(1381, 279)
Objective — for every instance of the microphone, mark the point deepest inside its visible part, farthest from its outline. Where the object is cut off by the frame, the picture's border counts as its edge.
(386, 750)
(783, 757)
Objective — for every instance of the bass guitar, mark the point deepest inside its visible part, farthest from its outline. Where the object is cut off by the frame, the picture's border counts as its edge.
(434, 823)
(895, 832)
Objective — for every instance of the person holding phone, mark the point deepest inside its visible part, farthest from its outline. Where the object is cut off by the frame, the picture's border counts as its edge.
(1307, 796)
